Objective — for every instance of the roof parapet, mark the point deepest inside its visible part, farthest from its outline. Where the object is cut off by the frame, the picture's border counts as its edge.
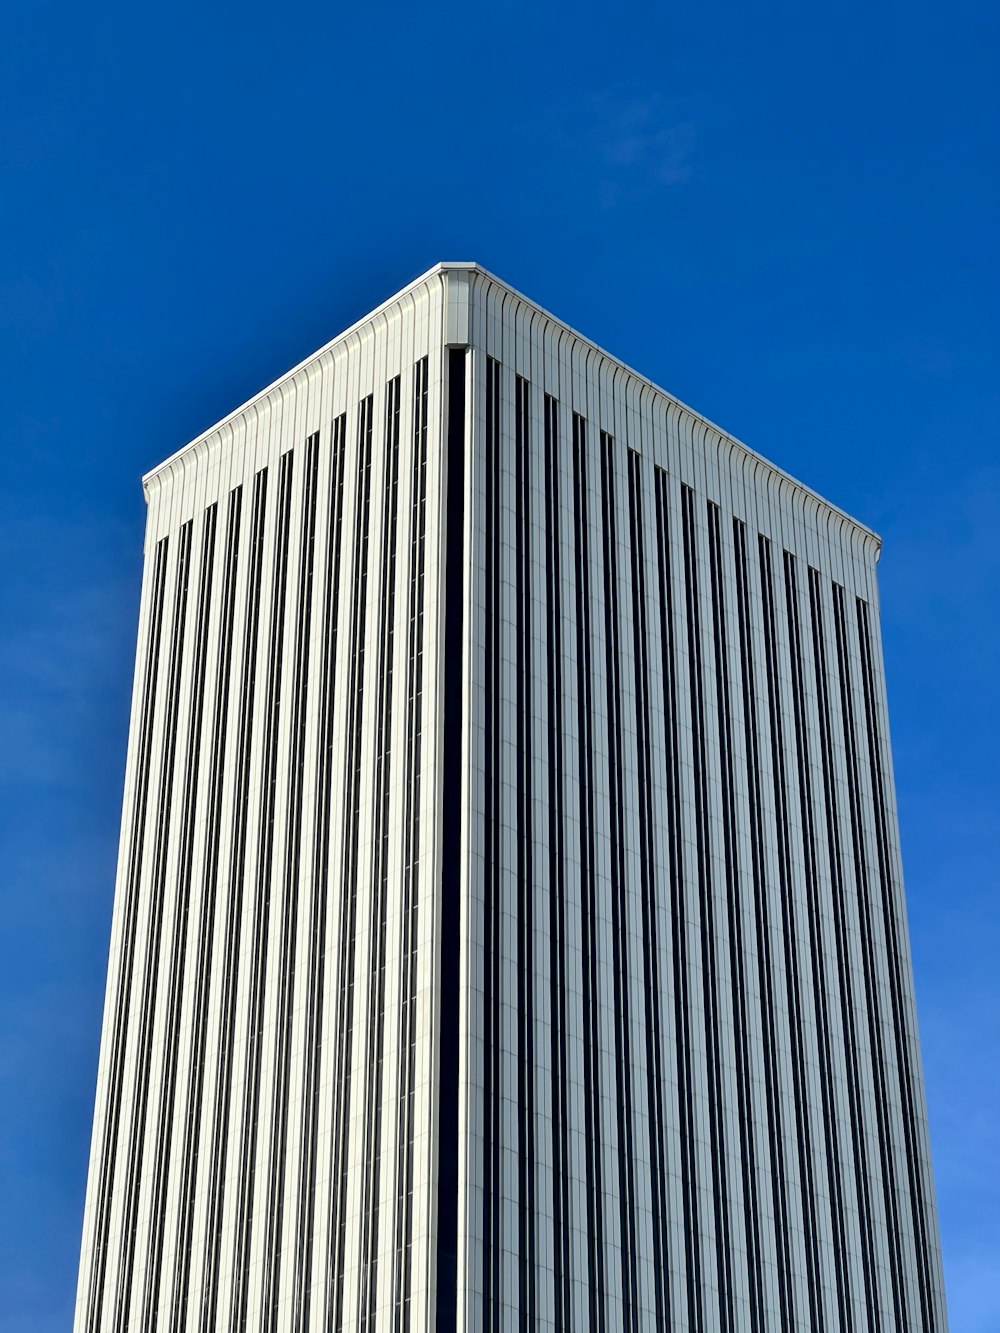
(458, 277)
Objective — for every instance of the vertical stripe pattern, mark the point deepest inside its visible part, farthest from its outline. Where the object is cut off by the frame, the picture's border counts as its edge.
(709, 966)
(273, 917)
(509, 929)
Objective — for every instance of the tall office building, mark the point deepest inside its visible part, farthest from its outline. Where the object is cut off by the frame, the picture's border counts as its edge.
(509, 931)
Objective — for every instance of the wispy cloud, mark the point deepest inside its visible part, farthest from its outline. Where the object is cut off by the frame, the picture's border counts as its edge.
(639, 137)
(64, 651)
(631, 146)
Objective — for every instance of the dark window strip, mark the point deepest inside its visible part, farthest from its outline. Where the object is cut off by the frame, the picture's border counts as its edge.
(219, 1149)
(197, 1047)
(407, 1030)
(738, 952)
(451, 852)
(525, 868)
(561, 1215)
(491, 854)
(496, 852)
(119, 1027)
(820, 986)
(245, 1211)
(370, 1215)
(869, 965)
(319, 886)
(619, 892)
(353, 766)
(591, 1046)
(849, 1022)
(706, 894)
(897, 983)
(177, 967)
(653, 1022)
(153, 945)
(764, 953)
(693, 1271)
(289, 887)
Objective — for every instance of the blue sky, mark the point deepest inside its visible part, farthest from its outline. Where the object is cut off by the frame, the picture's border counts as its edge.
(783, 213)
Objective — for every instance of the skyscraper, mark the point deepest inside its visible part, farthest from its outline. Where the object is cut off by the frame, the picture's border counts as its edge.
(509, 930)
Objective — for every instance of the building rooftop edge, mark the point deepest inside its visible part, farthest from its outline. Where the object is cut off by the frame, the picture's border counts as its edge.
(473, 267)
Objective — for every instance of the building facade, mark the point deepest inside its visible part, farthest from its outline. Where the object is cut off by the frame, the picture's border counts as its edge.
(509, 930)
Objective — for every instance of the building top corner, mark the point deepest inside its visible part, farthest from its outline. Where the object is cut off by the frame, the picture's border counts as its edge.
(459, 279)
(440, 271)
(865, 537)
